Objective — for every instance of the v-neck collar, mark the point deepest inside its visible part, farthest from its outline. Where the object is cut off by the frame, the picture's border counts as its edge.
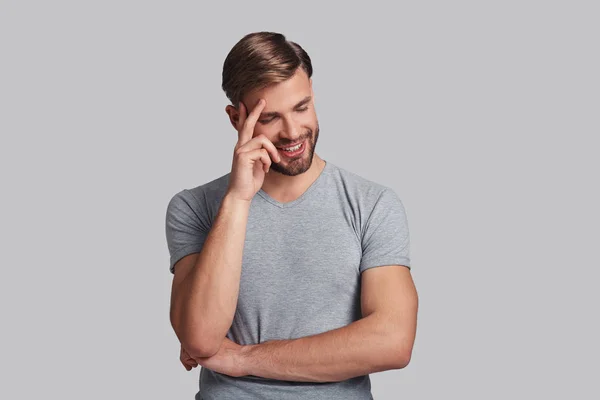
(292, 203)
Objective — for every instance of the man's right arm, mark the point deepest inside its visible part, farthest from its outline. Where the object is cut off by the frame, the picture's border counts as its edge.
(206, 285)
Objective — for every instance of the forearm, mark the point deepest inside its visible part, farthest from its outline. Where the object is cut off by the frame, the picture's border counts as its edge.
(209, 294)
(360, 348)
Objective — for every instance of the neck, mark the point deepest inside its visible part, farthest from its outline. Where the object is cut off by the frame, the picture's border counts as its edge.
(287, 188)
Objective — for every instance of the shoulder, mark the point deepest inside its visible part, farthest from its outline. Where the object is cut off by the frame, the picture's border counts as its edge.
(202, 199)
(212, 191)
(364, 199)
(358, 188)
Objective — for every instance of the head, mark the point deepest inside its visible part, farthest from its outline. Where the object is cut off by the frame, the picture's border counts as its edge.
(264, 65)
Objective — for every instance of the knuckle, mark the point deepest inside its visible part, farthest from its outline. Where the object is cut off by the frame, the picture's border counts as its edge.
(265, 141)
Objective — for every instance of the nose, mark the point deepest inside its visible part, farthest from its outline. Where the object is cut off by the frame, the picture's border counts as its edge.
(291, 130)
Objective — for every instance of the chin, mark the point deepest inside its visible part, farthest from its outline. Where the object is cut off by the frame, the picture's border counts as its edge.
(294, 167)
(300, 165)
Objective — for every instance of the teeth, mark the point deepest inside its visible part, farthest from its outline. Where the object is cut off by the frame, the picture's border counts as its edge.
(293, 148)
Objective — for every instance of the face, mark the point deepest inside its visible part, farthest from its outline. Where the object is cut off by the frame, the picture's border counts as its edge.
(288, 118)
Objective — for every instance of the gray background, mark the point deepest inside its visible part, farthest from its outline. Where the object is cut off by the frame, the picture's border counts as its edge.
(483, 116)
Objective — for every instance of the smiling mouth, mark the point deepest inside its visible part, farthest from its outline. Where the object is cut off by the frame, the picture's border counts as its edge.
(291, 145)
(295, 150)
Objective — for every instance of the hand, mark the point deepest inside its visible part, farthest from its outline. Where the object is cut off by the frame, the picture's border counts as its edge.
(187, 360)
(228, 360)
(252, 156)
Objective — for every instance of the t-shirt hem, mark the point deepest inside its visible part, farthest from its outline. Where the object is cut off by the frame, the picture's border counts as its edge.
(397, 261)
(179, 254)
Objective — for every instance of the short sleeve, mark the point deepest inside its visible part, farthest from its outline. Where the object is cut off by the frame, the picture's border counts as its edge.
(185, 226)
(385, 238)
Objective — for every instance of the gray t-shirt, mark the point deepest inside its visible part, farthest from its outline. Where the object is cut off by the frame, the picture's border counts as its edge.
(301, 268)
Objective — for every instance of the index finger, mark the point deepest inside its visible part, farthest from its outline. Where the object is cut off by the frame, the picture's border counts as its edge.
(249, 122)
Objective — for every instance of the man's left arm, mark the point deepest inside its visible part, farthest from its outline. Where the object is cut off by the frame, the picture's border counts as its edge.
(381, 340)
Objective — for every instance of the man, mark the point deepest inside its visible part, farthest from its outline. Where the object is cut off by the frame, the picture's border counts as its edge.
(291, 274)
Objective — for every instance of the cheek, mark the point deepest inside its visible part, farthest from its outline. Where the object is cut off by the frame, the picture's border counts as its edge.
(260, 129)
(308, 118)
(270, 131)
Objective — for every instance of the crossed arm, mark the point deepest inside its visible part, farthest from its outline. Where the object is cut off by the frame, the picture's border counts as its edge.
(381, 340)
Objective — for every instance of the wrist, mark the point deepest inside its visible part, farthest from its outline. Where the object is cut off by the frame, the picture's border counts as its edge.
(234, 201)
(245, 359)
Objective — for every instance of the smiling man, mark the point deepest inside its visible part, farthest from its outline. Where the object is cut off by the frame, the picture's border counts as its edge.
(299, 118)
(291, 274)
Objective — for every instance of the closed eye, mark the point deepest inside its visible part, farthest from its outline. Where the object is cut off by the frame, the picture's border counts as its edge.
(266, 121)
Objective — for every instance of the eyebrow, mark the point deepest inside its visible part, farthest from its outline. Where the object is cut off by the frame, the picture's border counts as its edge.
(298, 105)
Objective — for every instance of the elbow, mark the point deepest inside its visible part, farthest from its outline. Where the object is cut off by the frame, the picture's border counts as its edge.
(401, 357)
(202, 350)
(195, 342)
(402, 360)
(395, 360)
(400, 351)
(200, 344)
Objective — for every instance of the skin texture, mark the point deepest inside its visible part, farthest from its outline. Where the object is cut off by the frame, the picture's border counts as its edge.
(205, 286)
(383, 338)
(288, 178)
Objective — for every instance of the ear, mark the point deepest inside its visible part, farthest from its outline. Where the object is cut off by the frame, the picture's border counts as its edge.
(234, 115)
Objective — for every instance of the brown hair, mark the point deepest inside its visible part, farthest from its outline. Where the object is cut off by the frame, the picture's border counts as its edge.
(260, 59)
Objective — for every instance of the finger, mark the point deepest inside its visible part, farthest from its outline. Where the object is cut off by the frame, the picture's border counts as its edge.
(186, 359)
(266, 160)
(258, 155)
(245, 134)
(261, 141)
(189, 364)
(243, 116)
(240, 124)
(191, 360)
(185, 364)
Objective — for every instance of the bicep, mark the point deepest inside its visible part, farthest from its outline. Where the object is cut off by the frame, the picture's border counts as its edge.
(186, 226)
(389, 294)
(182, 269)
(389, 290)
